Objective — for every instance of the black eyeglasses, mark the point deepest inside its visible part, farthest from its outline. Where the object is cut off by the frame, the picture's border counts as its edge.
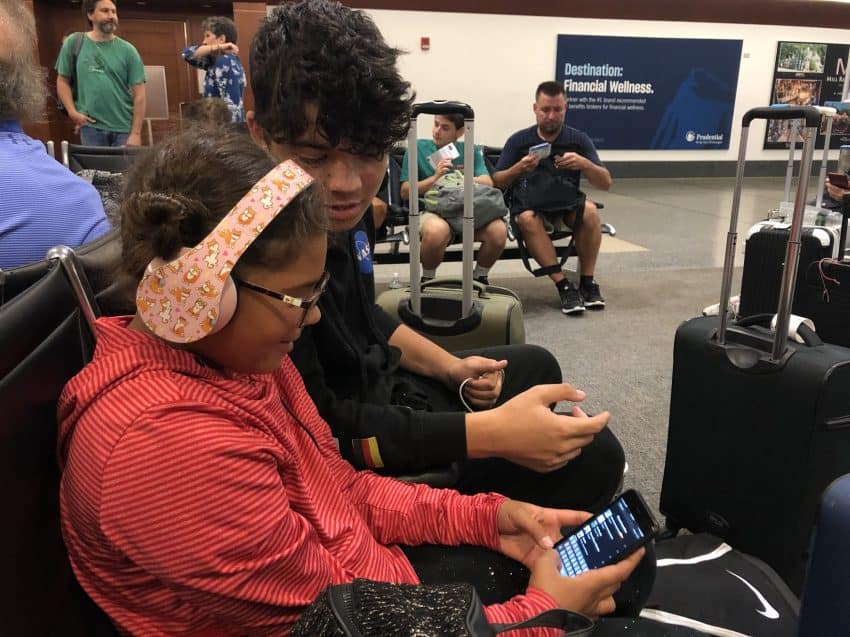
(306, 304)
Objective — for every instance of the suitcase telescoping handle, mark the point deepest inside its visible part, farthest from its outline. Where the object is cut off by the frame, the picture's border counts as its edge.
(811, 115)
(830, 111)
(442, 107)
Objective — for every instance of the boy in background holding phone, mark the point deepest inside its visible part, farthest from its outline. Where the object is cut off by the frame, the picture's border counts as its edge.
(436, 232)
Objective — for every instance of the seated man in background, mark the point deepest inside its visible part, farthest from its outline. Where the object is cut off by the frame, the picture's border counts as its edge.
(438, 232)
(42, 203)
(516, 163)
(390, 395)
(218, 55)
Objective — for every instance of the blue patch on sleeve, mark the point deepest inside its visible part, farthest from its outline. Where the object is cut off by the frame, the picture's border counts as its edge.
(363, 252)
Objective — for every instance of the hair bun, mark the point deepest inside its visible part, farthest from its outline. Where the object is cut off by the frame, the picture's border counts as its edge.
(169, 220)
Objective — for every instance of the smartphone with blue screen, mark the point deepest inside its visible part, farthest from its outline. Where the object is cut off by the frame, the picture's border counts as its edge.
(608, 537)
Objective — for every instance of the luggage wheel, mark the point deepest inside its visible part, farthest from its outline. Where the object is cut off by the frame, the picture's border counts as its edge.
(671, 529)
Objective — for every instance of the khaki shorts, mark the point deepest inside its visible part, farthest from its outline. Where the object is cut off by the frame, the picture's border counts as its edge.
(455, 224)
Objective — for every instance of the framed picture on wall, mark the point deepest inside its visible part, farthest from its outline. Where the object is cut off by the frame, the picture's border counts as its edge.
(807, 73)
(801, 57)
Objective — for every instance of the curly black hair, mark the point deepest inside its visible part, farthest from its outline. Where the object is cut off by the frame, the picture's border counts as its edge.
(323, 52)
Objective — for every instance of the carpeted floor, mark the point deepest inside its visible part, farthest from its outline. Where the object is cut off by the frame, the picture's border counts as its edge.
(622, 356)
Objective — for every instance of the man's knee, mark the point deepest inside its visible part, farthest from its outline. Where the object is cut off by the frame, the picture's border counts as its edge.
(590, 218)
(600, 465)
(494, 233)
(530, 224)
(435, 231)
(544, 361)
(610, 452)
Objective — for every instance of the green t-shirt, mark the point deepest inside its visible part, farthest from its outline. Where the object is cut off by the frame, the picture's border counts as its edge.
(424, 147)
(105, 74)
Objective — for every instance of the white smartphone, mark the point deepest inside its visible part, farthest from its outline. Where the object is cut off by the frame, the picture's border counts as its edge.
(449, 151)
(541, 150)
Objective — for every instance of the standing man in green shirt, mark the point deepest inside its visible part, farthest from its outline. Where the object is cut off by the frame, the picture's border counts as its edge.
(436, 232)
(101, 81)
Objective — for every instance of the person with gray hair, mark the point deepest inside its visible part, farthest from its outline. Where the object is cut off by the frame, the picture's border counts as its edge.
(218, 55)
(42, 203)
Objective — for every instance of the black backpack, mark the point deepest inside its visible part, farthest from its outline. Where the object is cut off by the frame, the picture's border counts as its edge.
(704, 583)
(72, 80)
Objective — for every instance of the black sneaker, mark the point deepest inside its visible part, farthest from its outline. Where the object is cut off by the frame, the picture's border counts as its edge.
(571, 302)
(592, 296)
(483, 280)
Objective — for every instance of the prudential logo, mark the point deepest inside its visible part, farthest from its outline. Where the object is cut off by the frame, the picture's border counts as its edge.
(704, 139)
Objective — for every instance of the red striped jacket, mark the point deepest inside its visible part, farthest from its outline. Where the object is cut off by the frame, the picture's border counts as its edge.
(205, 502)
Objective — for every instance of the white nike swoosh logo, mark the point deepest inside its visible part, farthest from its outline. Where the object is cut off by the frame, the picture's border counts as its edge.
(769, 611)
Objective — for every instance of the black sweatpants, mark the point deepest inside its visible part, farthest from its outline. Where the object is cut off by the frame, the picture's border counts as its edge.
(586, 483)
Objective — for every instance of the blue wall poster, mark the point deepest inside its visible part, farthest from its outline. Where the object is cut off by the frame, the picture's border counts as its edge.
(808, 73)
(650, 93)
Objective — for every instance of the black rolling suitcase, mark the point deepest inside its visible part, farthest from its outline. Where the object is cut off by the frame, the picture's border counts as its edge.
(759, 424)
(764, 256)
(822, 288)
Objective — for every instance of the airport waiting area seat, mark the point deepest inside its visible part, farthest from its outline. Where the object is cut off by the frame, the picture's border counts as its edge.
(117, 159)
(13, 281)
(101, 261)
(46, 337)
(394, 230)
(399, 213)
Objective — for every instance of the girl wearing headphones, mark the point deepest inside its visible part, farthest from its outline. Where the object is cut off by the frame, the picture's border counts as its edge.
(202, 493)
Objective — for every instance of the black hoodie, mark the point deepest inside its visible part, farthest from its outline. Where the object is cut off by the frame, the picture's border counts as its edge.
(352, 373)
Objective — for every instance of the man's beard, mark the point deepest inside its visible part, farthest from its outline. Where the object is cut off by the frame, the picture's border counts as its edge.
(107, 28)
(551, 128)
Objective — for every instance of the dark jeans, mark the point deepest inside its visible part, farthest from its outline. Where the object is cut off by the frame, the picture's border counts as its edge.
(91, 136)
(587, 483)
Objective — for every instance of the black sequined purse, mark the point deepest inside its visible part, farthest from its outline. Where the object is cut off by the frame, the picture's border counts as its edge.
(365, 608)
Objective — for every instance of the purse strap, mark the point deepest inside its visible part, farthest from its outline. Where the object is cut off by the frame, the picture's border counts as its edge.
(574, 624)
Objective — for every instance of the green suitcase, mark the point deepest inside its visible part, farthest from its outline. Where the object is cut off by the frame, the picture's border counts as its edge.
(496, 317)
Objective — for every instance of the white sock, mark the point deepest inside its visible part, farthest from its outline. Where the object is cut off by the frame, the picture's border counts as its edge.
(480, 271)
(429, 273)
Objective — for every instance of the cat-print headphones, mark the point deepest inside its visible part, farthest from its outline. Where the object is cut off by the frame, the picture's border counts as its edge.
(193, 296)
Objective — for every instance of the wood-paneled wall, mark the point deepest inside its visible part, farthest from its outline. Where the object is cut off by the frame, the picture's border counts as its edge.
(247, 16)
(55, 18)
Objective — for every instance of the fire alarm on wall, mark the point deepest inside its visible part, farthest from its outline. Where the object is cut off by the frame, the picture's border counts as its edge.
(425, 43)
